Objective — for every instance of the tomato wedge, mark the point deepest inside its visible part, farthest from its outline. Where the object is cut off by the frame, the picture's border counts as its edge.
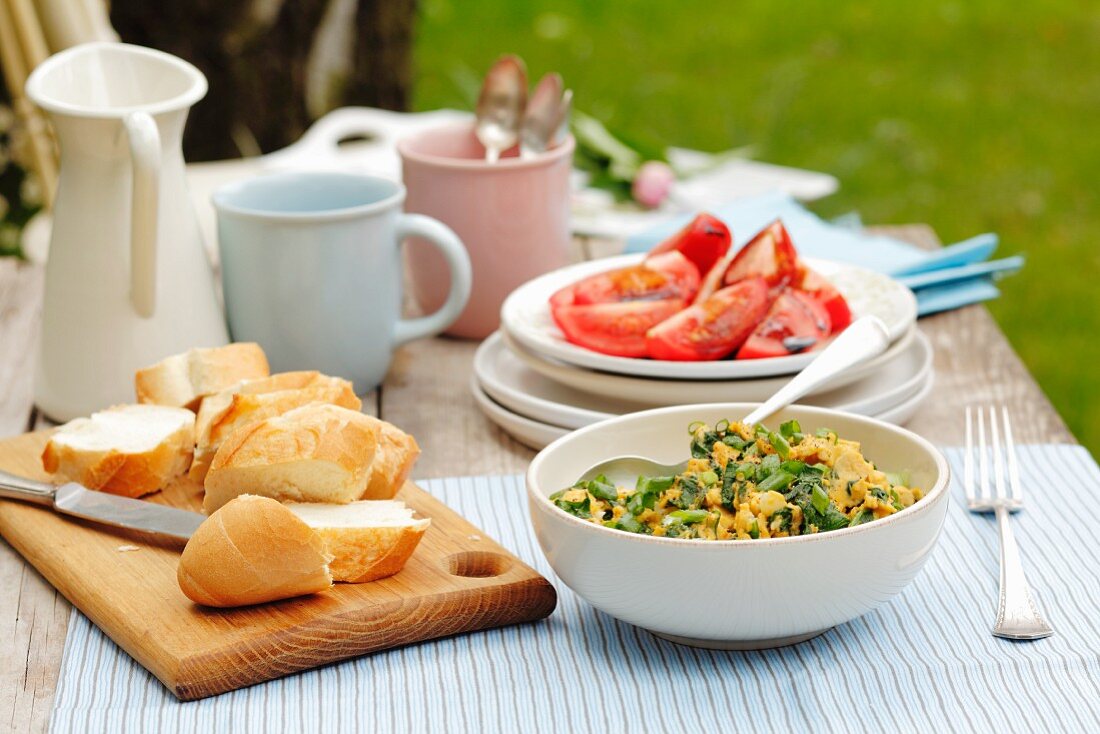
(712, 329)
(796, 322)
(670, 275)
(618, 329)
(704, 241)
(820, 288)
(769, 255)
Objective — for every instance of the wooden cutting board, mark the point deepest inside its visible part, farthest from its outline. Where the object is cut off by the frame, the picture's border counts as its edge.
(458, 580)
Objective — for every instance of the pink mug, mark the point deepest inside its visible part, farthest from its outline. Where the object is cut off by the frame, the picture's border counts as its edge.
(513, 217)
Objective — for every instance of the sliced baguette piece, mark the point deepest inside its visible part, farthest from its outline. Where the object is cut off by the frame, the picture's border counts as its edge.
(253, 400)
(316, 453)
(250, 551)
(183, 379)
(130, 450)
(397, 452)
(368, 539)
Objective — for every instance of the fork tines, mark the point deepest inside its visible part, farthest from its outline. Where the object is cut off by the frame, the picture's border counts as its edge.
(991, 488)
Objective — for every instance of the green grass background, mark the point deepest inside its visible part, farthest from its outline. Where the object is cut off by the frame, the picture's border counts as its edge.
(970, 116)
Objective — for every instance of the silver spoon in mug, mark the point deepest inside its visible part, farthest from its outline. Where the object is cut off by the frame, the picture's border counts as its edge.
(867, 337)
(500, 106)
(543, 118)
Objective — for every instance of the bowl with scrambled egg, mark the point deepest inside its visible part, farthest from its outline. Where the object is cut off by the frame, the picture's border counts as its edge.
(761, 536)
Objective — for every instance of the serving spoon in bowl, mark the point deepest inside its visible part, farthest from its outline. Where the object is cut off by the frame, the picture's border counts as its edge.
(866, 338)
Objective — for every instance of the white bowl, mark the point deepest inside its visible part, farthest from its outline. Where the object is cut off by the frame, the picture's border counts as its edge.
(735, 594)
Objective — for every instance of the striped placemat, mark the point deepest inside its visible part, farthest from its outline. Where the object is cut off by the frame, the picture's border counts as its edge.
(925, 661)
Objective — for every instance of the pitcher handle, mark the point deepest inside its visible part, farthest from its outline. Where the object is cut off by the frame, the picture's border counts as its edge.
(448, 243)
(145, 200)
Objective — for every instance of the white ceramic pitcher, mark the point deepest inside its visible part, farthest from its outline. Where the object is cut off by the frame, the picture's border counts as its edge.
(127, 281)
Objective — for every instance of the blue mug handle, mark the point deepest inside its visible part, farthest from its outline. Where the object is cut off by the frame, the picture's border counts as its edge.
(448, 243)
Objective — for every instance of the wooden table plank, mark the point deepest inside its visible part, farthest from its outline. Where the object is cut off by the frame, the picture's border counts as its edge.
(427, 393)
(20, 314)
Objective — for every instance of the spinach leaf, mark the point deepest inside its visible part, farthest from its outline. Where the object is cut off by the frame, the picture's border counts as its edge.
(630, 524)
(729, 492)
(832, 519)
(862, 516)
(829, 518)
(691, 493)
(702, 443)
(769, 464)
(794, 466)
(784, 517)
(581, 508)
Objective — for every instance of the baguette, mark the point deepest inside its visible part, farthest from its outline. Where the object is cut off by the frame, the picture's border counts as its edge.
(253, 400)
(368, 540)
(316, 453)
(184, 379)
(250, 551)
(397, 452)
(129, 450)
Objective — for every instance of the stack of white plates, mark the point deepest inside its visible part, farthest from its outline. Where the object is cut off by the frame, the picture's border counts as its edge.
(538, 387)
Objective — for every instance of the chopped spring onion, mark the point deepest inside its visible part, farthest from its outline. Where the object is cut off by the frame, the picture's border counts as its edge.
(780, 444)
(791, 430)
(819, 499)
(689, 517)
(776, 481)
(601, 490)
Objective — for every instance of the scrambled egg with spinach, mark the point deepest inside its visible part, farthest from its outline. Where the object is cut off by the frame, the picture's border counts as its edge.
(745, 482)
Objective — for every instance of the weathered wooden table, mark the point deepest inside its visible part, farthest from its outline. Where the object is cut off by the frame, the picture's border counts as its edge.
(426, 394)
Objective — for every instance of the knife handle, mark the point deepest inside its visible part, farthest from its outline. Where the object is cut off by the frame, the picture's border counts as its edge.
(27, 490)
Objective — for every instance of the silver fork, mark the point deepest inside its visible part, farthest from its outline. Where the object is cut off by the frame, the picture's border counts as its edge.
(1017, 616)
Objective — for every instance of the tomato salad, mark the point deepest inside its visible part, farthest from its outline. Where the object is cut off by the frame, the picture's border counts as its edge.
(691, 300)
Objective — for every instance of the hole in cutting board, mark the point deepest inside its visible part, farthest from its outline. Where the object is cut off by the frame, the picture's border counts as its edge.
(477, 564)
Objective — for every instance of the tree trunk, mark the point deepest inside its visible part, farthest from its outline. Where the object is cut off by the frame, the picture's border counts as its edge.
(257, 56)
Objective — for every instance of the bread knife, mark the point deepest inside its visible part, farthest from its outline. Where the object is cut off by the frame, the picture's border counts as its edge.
(109, 509)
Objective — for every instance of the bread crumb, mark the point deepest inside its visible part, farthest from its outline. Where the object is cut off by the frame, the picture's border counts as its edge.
(475, 537)
(127, 548)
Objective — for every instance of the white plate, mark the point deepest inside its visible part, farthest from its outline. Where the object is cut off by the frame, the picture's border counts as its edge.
(900, 414)
(538, 434)
(517, 387)
(659, 393)
(525, 315)
(532, 434)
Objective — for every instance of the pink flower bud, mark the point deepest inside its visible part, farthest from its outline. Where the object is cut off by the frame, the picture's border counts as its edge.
(652, 184)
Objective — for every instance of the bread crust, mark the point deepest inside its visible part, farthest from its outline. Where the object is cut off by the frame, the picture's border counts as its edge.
(115, 469)
(182, 380)
(250, 551)
(254, 400)
(397, 453)
(316, 453)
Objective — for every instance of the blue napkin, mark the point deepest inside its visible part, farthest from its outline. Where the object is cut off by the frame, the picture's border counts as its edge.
(948, 278)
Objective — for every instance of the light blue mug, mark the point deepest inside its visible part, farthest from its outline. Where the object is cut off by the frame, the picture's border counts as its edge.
(311, 270)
